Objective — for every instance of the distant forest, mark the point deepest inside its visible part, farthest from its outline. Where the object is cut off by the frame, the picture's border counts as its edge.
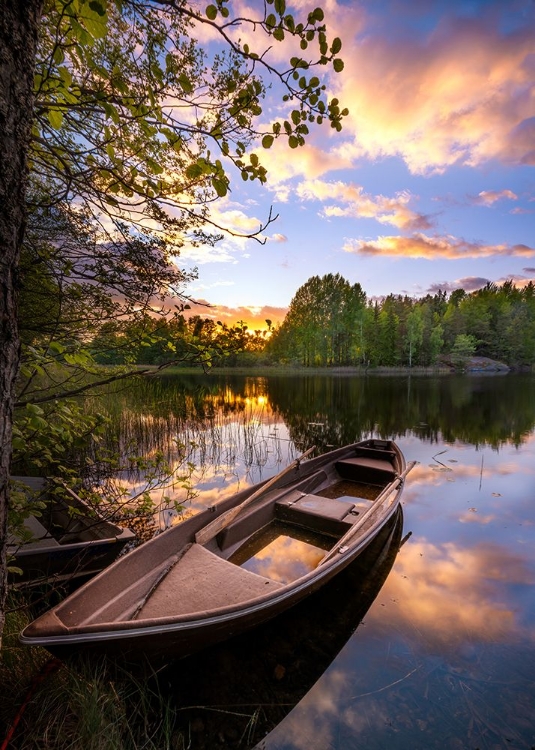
(332, 323)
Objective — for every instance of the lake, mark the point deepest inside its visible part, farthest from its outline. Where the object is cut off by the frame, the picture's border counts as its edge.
(430, 644)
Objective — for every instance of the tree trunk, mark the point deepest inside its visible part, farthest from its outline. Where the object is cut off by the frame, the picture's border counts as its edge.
(19, 20)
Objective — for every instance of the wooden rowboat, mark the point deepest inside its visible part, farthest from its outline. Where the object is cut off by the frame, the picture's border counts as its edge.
(65, 542)
(231, 567)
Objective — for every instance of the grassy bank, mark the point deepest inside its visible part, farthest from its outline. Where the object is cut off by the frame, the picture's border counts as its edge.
(292, 370)
(81, 705)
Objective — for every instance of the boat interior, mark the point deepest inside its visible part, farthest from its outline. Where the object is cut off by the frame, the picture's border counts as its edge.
(278, 540)
(281, 537)
(323, 506)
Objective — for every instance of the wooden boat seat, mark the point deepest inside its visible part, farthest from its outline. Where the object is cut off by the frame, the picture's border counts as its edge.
(202, 581)
(332, 516)
(262, 512)
(367, 469)
(374, 452)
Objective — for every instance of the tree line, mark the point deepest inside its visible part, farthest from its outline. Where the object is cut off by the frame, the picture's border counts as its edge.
(331, 322)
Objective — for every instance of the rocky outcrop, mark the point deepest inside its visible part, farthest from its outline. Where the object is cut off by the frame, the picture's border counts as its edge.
(475, 364)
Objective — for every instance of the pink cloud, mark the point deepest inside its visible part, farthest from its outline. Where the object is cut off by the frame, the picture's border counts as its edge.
(422, 246)
(350, 200)
(489, 197)
(472, 283)
(465, 94)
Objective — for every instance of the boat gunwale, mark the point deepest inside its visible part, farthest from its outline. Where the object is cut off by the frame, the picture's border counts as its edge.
(138, 628)
(131, 629)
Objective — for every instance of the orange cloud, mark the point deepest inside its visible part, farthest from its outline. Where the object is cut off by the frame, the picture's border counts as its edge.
(422, 246)
(359, 204)
(462, 95)
(254, 317)
(440, 576)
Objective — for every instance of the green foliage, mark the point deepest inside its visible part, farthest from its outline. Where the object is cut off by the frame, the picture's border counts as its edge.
(323, 323)
(131, 110)
(329, 323)
(45, 439)
(464, 347)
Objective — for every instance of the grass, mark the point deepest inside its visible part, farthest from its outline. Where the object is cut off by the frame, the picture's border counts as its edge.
(79, 705)
(262, 370)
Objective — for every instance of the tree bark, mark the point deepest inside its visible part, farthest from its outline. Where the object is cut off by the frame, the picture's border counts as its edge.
(19, 21)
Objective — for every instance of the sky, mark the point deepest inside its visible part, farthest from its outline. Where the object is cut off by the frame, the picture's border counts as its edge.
(431, 183)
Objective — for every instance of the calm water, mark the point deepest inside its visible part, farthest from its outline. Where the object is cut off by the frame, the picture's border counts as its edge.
(445, 654)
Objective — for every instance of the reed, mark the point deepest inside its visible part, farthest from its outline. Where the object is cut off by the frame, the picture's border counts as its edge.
(83, 705)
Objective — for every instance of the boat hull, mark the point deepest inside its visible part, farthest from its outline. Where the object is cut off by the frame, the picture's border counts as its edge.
(64, 547)
(125, 620)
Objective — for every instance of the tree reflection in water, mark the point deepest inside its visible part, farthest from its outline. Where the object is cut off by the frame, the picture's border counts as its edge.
(445, 656)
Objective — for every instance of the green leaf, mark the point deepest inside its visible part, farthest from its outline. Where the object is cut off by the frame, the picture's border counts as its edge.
(97, 7)
(65, 75)
(271, 21)
(280, 7)
(338, 65)
(267, 141)
(220, 186)
(336, 46)
(55, 118)
(185, 82)
(211, 12)
(293, 142)
(58, 56)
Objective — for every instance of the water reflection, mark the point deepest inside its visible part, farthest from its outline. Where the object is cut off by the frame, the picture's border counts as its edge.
(475, 589)
(239, 430)
(444, 658)
(231, 696)
(282, 553)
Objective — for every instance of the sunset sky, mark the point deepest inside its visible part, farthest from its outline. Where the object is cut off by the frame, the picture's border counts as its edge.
(431, 183)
